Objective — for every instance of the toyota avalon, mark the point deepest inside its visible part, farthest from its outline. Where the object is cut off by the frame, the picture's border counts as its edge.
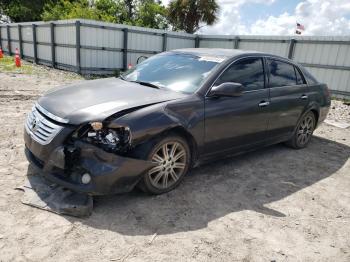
(177, 109)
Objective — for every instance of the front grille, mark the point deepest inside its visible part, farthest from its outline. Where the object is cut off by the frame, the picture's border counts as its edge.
(40, 128)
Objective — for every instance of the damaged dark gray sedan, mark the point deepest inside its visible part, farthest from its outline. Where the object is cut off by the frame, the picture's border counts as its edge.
(176, 109)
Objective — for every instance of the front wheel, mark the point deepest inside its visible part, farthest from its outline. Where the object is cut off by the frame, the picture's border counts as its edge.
(303, 131)
(172, 156)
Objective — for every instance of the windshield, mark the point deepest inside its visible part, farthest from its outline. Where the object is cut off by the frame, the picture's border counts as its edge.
(177, 71)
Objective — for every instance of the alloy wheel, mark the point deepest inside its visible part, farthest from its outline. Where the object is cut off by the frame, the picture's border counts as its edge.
(305, 130)
(171, 158)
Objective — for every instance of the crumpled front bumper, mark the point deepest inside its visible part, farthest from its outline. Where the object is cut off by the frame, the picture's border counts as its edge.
(109, 172)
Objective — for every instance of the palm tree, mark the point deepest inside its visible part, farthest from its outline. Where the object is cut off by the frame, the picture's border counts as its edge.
(188, 14)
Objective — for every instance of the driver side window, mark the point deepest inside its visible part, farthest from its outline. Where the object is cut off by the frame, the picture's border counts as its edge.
(249, 72)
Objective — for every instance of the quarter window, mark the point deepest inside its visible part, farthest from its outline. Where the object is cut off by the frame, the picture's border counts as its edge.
(281, 74)
(249, 72)
(310, 79)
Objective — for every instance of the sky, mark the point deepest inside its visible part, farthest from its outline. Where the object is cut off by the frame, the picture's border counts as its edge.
(279, 17)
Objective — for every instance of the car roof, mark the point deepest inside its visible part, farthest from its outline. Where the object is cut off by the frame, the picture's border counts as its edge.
(222, 52)
(225, 54)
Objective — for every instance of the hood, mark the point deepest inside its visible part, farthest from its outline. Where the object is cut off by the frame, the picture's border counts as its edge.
(97, 99)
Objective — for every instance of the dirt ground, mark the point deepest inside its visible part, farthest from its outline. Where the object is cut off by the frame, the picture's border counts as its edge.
(275, 204)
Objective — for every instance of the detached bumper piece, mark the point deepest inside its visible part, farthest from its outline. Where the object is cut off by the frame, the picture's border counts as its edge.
(40, 193)
(86, 168)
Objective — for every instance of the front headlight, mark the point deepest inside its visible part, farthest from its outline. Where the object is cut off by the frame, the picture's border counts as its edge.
(115, 140)
(96, 125)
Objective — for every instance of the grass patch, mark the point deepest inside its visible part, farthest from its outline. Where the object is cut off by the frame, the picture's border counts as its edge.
(342, 99)
(7, 64)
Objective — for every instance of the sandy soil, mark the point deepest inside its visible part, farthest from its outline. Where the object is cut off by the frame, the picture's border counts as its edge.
(275, 204)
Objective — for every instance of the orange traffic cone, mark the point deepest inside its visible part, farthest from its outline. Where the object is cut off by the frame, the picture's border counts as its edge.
(1, 53)
(17, 59)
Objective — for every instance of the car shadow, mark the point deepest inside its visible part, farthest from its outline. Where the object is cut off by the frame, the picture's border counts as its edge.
(245, 182)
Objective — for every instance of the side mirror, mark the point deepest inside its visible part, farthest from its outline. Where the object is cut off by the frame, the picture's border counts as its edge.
(226, 89)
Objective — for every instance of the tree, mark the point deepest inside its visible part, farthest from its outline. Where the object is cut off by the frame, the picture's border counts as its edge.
(23, 11)
(65, 9)
(130, 7)
(103, 10)
(147, 13)
(187, 15)
(111, 11)
(151, 14)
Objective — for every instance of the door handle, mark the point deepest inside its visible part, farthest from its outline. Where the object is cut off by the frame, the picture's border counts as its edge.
(264, 103)
(304, 97)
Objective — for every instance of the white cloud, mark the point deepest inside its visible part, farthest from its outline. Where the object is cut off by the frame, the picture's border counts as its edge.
(320, 17)
(324, 17)
(230, 21)
(284, 24)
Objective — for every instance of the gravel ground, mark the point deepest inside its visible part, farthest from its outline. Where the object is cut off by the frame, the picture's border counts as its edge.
(274, 204)
(340, 111)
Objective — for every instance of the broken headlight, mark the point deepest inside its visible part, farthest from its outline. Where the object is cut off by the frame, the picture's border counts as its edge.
(116, 140)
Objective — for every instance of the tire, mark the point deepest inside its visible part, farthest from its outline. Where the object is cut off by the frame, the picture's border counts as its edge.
(173, 155)
(303, 132)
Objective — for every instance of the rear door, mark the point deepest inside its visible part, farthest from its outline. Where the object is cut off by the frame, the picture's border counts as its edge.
(288, 97)
(235, 122)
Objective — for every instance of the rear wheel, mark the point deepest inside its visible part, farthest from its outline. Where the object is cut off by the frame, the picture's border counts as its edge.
(303, 131)
(172, 156)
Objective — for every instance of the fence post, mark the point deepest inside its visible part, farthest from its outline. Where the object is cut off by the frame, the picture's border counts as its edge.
(196, 42)
(8, 39)
(20, 43)
(53, 51)
(77, 45)
(34, 44)
(165, 41)
(125, 49)
(236, 45)
(291, 48)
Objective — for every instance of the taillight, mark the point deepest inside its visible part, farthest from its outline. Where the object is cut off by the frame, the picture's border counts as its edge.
(327, 92)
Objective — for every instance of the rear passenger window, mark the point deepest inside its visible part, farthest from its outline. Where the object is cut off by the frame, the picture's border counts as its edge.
(300, 80)
(249, 72)
(281, 74)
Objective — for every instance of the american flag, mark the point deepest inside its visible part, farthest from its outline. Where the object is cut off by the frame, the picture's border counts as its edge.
(300, 26)
(299, 29)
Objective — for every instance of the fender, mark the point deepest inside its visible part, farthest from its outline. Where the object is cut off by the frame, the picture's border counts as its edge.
(150, 121)
(310, 107)
(313, 106)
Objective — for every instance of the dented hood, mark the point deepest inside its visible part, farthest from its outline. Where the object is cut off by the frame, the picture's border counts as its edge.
(97, 99)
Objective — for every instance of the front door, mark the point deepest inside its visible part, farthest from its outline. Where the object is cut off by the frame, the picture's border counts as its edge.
(235, 122)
